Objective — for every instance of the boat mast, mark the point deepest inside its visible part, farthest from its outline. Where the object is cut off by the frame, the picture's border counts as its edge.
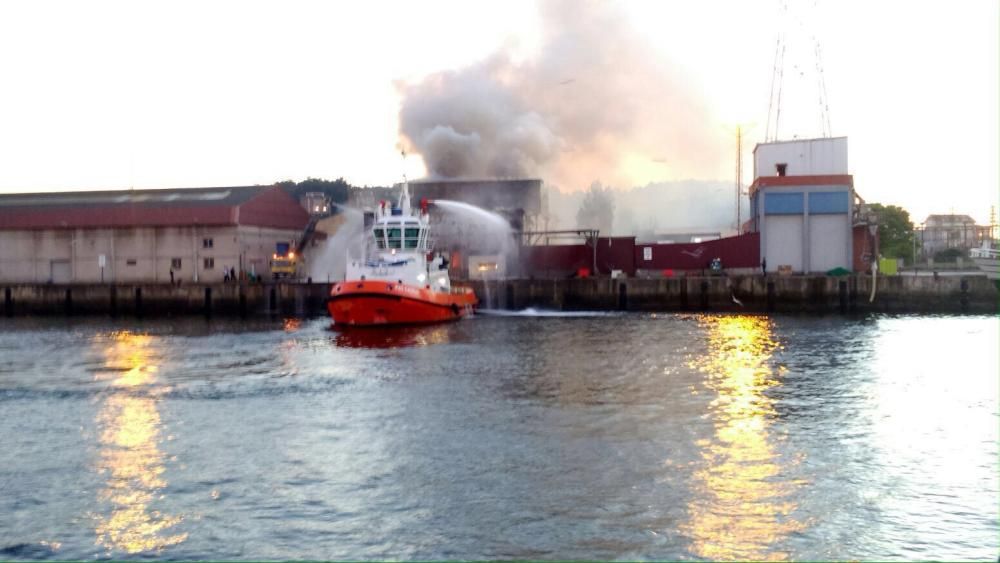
(404, 198)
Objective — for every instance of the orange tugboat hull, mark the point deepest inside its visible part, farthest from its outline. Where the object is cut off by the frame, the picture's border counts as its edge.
(378, 302)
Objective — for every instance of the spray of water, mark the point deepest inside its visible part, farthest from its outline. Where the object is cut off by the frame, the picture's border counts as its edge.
(489, 230)
(329, 263)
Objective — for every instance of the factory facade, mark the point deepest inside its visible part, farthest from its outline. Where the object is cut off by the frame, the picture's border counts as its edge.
(180, 235)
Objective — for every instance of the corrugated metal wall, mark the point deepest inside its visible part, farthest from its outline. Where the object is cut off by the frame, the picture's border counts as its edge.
(622, 253)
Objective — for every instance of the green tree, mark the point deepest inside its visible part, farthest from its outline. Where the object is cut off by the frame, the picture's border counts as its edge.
(895, 231)
(337, 190)
(597, 211)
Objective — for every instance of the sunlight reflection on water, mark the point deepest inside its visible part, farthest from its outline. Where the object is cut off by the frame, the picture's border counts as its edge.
(130, 458)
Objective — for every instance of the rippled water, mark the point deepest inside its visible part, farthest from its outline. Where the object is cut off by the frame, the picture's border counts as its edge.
(631, 436)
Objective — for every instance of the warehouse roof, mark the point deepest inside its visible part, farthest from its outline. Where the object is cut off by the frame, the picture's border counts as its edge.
(265, 206)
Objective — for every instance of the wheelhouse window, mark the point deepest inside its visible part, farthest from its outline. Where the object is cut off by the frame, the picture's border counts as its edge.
(380, 238)
(395, 236)
(411, 238)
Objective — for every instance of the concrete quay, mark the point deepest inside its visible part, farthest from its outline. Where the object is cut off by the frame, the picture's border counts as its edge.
(164, 300)
(750, 293)
(753, 293)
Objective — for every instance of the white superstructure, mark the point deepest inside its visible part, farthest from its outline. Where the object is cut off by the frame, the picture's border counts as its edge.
(399, 246)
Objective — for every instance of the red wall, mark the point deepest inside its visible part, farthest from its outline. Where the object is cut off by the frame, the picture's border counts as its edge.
(742, 251)
(622, 253)
(616, 253)
(556, 260)
(865, 246)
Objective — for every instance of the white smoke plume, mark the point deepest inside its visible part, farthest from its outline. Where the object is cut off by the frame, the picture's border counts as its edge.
(595, 103)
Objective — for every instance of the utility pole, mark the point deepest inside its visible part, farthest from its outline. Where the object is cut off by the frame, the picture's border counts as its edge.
(739, 177)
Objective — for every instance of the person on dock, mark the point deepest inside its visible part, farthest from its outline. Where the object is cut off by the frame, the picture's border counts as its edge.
(763, 266)
(171, 276)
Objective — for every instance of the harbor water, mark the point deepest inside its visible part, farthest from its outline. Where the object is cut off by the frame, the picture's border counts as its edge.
(532, 435)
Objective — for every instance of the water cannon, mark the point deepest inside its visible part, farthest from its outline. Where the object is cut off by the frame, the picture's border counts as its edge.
(424, 203)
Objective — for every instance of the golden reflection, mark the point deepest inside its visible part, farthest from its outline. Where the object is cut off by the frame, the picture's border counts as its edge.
(742, 506)
(130, 456)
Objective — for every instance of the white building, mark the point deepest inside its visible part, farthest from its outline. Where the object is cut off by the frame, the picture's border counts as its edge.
(802, 204)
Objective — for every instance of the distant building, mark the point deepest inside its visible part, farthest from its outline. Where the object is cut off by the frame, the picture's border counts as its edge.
(941, 232)
(145, 235)
(803, 204)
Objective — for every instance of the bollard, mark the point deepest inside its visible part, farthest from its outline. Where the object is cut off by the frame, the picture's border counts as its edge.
(208, 302)
(770, 296)
(842, 287)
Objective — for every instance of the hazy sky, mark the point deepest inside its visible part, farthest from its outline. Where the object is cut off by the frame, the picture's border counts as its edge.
(102, 95)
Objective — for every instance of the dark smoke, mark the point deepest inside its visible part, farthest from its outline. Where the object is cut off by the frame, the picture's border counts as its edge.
(596, 103)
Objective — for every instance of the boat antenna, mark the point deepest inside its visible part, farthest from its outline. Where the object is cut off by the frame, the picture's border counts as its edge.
(404, 198)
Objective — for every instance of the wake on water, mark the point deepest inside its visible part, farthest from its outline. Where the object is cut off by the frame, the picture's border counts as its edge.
(532, 312)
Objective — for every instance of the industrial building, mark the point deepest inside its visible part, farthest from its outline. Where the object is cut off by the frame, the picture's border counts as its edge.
(181, 235)
(803, 205)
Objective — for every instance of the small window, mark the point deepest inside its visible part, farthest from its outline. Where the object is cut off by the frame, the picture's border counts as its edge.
(175, 263)
(130, 262)
(209, 263)
(781, 167)
(207, 243)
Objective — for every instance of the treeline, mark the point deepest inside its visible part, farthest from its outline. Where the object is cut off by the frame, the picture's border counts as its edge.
(337, 190)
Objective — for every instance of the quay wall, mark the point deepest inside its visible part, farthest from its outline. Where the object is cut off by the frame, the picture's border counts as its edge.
(161, 300)
(756, 293)
(815, 294)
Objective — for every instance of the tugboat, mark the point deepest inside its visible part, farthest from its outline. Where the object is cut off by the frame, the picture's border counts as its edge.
(402, 282)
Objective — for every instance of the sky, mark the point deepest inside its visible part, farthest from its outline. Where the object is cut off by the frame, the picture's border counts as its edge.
(112, 95)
